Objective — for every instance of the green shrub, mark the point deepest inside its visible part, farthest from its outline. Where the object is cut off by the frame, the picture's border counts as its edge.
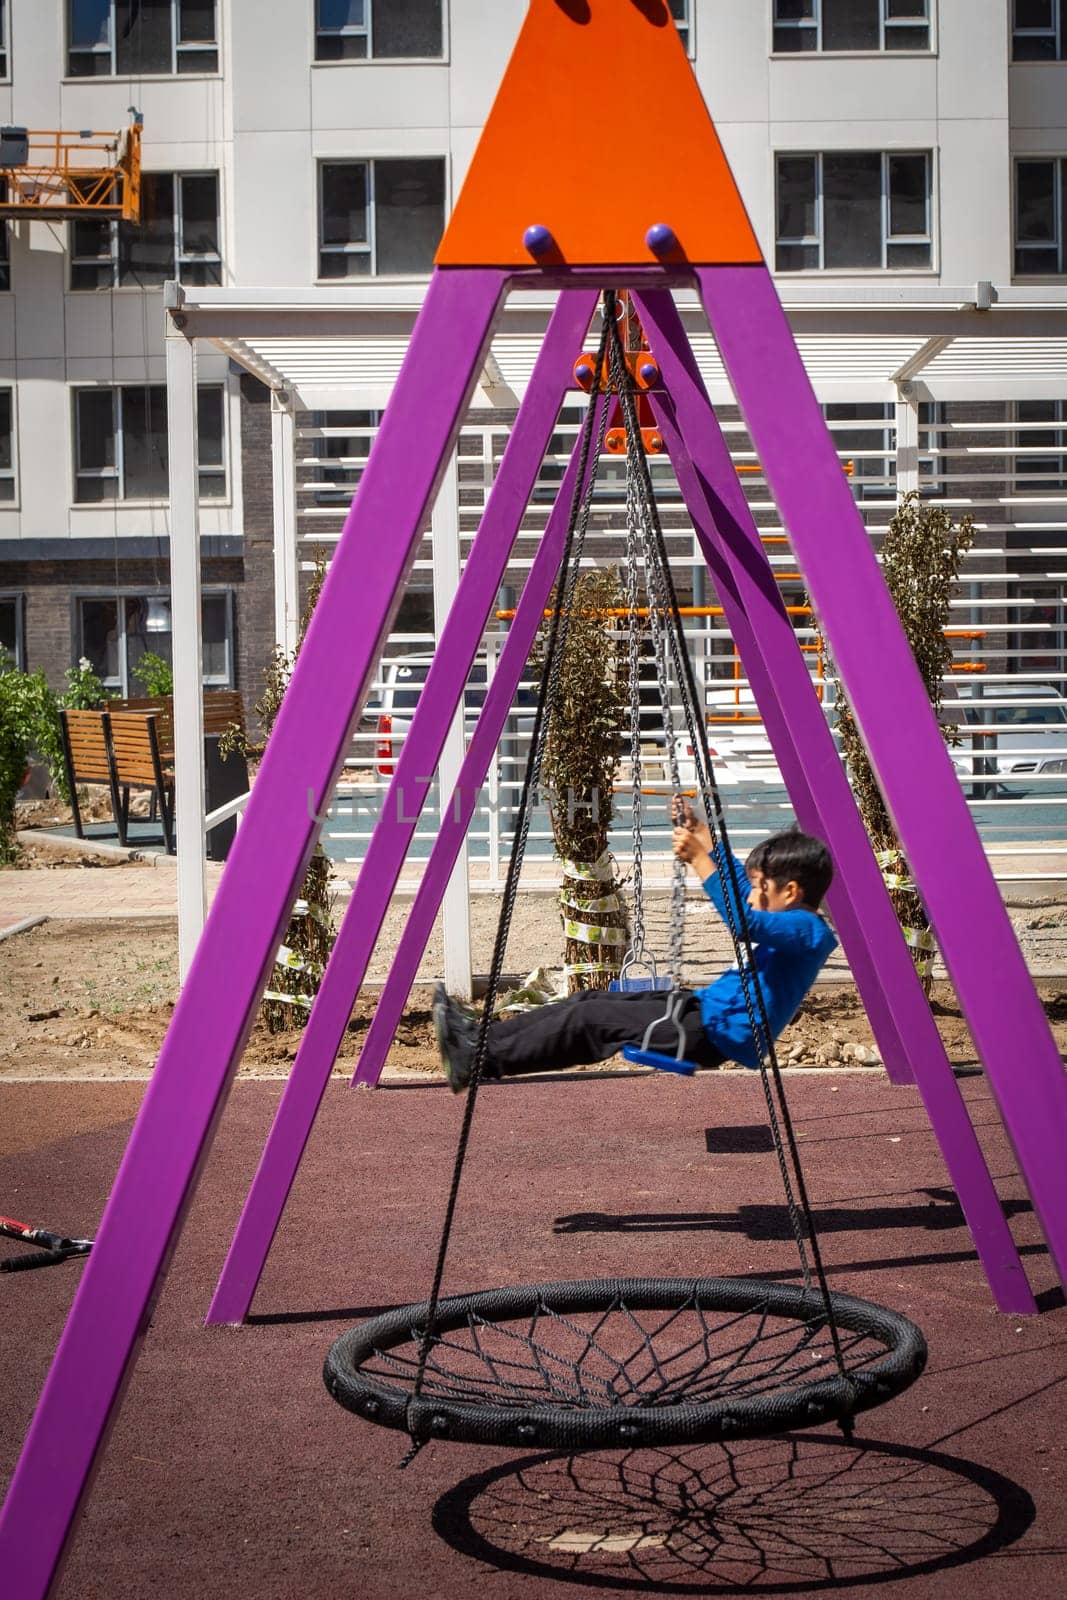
(29, 721)
(155, 675)
(84, 691)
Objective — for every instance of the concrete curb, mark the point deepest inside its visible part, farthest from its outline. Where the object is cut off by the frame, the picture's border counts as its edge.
(21, 927)
(91, 847)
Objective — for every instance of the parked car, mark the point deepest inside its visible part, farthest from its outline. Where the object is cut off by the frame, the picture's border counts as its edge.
(1011, 731)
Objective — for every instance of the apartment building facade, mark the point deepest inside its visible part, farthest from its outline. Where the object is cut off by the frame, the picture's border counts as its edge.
(883, 147)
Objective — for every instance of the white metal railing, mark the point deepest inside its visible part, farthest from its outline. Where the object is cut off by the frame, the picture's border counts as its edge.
(1009, 612)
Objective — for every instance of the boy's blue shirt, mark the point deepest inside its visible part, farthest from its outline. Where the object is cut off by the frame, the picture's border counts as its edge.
(788, 947)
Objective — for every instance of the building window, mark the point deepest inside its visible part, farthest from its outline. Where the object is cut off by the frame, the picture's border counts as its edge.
(1039, 30)
(380, 217)
(177, 237)
(115, 631)
(3, 39)
(810, 25)
(121, 443)
(868, 440)
(338, 444)
(1040, 203)
(381, 30)
(12, 642)
(854, 209)
(681, 11)
(7, 445)
(1041, 440)
(1038, 643)
(141, 38)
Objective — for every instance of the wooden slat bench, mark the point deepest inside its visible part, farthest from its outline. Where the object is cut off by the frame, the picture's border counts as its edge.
(87, 758)
(222, 708)
(138, 764)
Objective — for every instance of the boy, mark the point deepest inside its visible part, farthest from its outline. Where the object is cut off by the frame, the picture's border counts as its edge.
(787, 876)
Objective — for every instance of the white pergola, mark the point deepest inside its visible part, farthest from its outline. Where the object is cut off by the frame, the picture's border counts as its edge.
(341, 348)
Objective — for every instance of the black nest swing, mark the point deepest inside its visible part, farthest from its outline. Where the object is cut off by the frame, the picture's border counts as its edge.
(608, 1363)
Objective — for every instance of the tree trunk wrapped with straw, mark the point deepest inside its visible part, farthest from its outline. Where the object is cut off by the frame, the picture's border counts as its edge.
(302, 957)
(920, 563)
(579, 773)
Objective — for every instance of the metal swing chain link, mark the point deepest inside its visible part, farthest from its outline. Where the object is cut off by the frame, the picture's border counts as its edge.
(595, 421)
(717, 823)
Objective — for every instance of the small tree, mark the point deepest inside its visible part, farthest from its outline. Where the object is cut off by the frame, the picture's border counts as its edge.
(310, 935)
(920, 563)
(580, 770)
(154, 674)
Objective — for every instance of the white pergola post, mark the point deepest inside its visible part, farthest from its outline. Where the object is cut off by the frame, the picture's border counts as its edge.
(187, 636)
(286, 560)
(907, 439)
(456, 904)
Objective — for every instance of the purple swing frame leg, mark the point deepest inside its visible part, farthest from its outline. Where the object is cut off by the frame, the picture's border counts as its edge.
(899, 730)
(763, 634)
(173, 1132)
(499, 698)
(441, 694)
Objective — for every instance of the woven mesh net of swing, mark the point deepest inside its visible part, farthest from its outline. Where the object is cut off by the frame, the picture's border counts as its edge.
(615, 1356)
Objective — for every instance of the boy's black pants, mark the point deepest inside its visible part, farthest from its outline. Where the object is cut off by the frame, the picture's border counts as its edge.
(593, 1025)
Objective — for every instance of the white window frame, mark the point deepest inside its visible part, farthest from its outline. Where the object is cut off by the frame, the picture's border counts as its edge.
(818, 240)
(367, 32)
(1058, 242)
(5, 74)
(12, 472)
(177, 48)
(686, 22)
(121, 680)
(110, 233)
(370, 247)
(17, 598)
(887, 25)
(1055, 33)
(118, 470)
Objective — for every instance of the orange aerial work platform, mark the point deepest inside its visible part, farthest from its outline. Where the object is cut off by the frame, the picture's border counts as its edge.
(61, 175)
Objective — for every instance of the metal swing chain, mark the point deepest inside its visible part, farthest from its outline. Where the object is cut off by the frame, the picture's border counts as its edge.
(635, 955)
(637, 537)
(595, 421)
(716, 818)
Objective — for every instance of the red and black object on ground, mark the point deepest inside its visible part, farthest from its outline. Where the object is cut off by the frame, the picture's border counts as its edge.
(51, 1247)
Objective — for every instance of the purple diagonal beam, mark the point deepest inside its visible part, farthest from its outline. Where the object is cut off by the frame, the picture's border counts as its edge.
(171, 1138)
(763, 633)
(441, 694)
(499, 698)
(900, 732)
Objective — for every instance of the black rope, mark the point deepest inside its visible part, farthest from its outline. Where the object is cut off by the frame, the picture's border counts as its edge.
(594, 422)
(716, 817)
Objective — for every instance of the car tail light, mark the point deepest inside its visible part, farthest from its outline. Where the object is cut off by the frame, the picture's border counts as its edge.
(383, 750)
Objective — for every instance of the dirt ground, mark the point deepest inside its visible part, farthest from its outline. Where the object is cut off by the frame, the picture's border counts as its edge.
(92, 999)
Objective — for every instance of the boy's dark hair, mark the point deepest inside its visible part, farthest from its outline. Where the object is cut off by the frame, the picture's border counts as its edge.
(794, 857)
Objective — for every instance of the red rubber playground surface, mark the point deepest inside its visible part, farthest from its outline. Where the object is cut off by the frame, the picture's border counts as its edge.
(230, 1471)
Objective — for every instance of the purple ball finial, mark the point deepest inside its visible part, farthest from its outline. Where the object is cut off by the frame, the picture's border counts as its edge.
(649, 371)
(538, 239)
(661, 238)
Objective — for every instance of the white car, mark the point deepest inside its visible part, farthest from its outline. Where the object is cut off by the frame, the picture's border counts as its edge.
(1011, 731)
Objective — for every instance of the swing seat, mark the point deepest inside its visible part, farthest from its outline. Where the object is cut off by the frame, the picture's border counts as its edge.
(661, 1063)
(634, 985)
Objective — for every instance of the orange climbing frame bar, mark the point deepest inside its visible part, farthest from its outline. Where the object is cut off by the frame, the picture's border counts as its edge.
(69, 175)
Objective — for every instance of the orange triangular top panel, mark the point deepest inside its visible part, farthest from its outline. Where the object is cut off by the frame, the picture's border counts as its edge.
(598, 132)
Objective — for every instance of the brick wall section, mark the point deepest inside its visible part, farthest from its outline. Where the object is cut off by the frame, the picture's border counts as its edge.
(50, 588)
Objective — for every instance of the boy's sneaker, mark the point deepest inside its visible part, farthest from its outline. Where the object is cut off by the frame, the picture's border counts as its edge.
(456, 1036)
